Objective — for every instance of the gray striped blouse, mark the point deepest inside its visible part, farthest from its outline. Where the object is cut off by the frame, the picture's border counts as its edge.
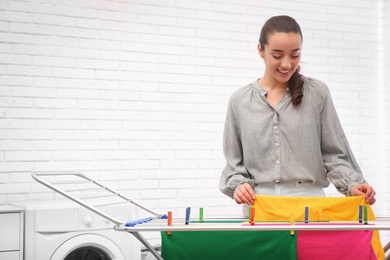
(307, 144)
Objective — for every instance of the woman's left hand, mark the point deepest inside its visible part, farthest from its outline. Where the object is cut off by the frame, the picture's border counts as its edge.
(364, 190)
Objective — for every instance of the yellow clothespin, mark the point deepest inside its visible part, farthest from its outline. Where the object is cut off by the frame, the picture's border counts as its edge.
(320, 214)
(292, 222)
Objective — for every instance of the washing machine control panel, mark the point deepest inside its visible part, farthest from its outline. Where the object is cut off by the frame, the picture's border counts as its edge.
(91, 220)
(77, 218)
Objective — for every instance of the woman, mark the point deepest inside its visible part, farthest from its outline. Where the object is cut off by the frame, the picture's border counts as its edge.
(282, 135)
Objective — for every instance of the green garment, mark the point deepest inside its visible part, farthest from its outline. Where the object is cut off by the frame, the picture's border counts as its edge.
(222, 245)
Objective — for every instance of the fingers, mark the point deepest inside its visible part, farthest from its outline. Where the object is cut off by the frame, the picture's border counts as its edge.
(244, 194)
(364, 190)
(370, 195)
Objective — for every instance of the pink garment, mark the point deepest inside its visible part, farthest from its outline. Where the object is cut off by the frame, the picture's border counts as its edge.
(346, 245)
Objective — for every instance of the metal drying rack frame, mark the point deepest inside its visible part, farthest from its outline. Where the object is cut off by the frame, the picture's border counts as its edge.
(96, 186)
(383, 222)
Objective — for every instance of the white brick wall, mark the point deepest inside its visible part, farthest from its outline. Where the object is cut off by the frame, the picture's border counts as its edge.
(135, 92)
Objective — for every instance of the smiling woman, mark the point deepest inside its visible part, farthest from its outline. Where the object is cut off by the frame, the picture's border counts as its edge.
(283, 39)
(282, 57)
(282, 134)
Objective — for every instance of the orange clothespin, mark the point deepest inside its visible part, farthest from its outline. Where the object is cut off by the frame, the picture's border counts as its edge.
(252, 216)
(169, 221)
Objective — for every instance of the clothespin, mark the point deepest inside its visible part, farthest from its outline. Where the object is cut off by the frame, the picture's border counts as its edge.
(188, 212)
(365, 215)
(200, 215)
(292, 222)
(252, 218)
(169, 221)
(320, 214)
(306, 214)
(360, 213)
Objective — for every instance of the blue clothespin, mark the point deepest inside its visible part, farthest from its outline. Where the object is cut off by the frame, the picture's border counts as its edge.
(306, 214)
(360, 213)
(188, 212)
(139, 221)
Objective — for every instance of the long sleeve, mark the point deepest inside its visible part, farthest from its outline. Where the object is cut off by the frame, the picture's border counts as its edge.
(342, 169)
(234, 172)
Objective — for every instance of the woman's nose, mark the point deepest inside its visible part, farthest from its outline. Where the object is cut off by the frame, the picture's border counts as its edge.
(286, 63)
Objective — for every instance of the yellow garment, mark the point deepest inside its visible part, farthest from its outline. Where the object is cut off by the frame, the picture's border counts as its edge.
(282, 208)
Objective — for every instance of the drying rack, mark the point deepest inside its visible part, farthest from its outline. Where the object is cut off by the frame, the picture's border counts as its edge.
(93, 195)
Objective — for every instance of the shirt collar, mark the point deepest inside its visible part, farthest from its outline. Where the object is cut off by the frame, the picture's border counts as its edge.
(262, 91)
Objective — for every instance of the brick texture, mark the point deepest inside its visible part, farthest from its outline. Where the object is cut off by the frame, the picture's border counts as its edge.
(135, 92)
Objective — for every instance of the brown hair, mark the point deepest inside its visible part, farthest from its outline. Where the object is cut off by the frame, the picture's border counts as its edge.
(285, 24)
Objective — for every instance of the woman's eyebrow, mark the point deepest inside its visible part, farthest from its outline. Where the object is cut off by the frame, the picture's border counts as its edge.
(277, 50)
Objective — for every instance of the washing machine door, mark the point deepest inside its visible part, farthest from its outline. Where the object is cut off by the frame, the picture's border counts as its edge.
(94, 246)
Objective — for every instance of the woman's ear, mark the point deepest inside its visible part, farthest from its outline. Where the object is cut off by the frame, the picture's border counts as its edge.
(260, 50)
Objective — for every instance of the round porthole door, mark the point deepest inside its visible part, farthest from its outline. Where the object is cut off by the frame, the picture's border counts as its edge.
(88, 246)
(88, 253)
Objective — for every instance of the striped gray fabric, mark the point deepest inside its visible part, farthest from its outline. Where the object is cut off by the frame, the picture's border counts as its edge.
(307, 144)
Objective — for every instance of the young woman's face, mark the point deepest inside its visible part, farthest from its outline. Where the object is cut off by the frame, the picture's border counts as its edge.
(281, 55)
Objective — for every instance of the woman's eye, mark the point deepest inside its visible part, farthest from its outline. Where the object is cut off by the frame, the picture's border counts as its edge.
(295, 56)
(277, 57)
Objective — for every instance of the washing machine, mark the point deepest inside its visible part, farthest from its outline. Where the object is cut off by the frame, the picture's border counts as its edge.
(67, 231)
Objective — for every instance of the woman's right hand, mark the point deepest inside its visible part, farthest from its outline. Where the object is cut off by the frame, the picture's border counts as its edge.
(244, 194)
